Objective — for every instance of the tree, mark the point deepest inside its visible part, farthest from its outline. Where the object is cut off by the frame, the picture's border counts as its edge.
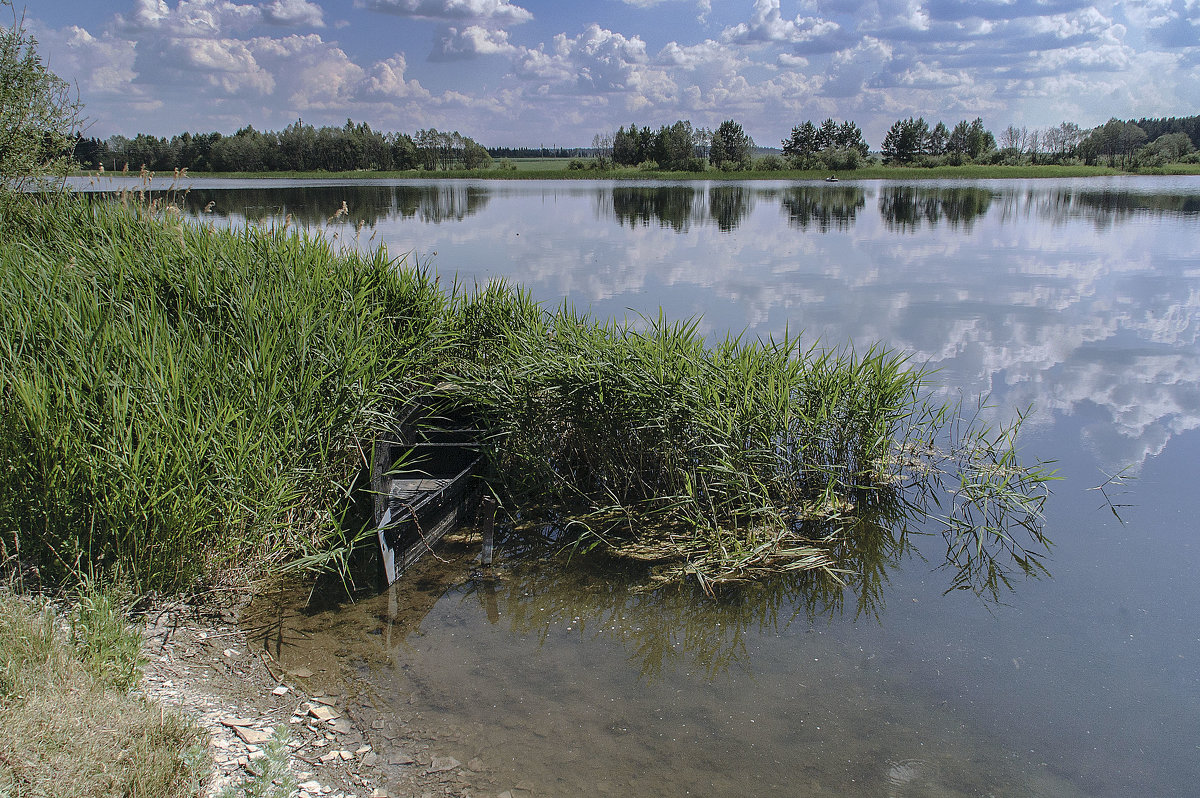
(850, 137)
(939, 137)
(827, 135)
(905, 140)
(674, 147)
(801, 146)
(39, 118)
(731, 145)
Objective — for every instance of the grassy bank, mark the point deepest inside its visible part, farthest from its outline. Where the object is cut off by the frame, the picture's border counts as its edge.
(179, 399)
(71, 725)
(556, 169)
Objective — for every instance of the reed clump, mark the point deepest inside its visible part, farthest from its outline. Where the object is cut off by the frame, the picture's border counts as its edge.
(178, 398)
(724, 461)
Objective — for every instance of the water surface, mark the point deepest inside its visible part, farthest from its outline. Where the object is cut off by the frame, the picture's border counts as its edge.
(1079, 299)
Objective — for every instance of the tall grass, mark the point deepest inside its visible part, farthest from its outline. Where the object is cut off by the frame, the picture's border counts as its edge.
(726, 460)
(175, 398)
(178, 398)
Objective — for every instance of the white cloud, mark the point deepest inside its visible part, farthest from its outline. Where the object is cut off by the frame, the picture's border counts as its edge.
(499, 12)
(851, 69)
(470, 42)
(294, 13)
(385, 81)
(768, 25)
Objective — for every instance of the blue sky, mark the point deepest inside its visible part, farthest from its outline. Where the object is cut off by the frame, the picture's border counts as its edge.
(531, 72)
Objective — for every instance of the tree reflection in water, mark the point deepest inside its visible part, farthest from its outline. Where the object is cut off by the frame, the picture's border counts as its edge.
(822, 207)
(317, 206)
(906, 208)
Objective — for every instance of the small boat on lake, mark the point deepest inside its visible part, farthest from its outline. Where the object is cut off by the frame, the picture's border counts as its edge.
(831, 179)
(425, 484)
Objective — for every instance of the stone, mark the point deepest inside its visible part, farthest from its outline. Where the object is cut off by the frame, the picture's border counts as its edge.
(237, 722)
(322, 712)
(398, 757)
(341, 726)
(252, 736)
(441, 764)
(311, 786)
(379, 792)
(282, 689)
(302, 673)
(370, 759)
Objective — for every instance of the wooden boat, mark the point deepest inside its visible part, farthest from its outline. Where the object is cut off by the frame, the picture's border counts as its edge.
(425, 484)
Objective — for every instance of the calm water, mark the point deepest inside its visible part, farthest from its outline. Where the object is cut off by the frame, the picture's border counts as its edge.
(1079, 299)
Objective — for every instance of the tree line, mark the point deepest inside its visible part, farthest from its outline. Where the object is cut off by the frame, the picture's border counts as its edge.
(677, 147)
(1127, 144)
(298, 147)
(830, 145)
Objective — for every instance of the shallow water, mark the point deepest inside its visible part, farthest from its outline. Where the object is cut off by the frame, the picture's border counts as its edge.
(1079, 299)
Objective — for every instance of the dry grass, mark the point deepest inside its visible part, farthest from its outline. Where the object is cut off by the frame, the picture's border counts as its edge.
(69, 730)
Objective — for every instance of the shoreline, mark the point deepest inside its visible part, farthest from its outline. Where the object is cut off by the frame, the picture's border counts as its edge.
(907, 174)
(200, 661)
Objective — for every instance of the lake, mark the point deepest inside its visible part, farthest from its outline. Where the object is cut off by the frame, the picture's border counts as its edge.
(1077, 300)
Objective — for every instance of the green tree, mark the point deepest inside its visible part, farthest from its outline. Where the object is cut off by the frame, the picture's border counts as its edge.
(731, 145)
(39, 117)
(675, 147)
(850, 137)
(905, 140)
(939, 137)
(801, 146)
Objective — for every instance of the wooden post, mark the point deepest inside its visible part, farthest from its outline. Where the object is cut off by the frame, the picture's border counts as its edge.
(488, 506)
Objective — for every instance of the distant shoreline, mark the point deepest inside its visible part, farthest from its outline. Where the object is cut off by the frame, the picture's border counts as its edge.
(908, 173)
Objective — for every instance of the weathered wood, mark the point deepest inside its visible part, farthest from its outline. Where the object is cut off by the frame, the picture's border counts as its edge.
(424, 480)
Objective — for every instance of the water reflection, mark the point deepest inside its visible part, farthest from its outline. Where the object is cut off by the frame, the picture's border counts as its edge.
(906, 208)
(821, 207)
(315, 206)
(676, 207)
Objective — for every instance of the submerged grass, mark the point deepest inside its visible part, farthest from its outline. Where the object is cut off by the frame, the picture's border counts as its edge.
(178, 398)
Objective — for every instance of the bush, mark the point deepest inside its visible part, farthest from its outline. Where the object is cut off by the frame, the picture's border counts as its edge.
(648, 166)
(838, 159)
(770, 163)
(577, 164)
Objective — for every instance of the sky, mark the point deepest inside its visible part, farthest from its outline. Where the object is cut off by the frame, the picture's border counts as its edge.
(556, 73)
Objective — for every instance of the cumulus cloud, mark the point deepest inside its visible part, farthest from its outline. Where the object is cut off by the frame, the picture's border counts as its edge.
(498, 12)
(470, 42)
(850, 70)
(294, 13)
(386, 81)
(767, 24)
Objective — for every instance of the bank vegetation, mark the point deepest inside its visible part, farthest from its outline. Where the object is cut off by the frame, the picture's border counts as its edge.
(178, 398)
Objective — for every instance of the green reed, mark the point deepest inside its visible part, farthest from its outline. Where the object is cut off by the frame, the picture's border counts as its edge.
(177, 397)
(722, 460)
